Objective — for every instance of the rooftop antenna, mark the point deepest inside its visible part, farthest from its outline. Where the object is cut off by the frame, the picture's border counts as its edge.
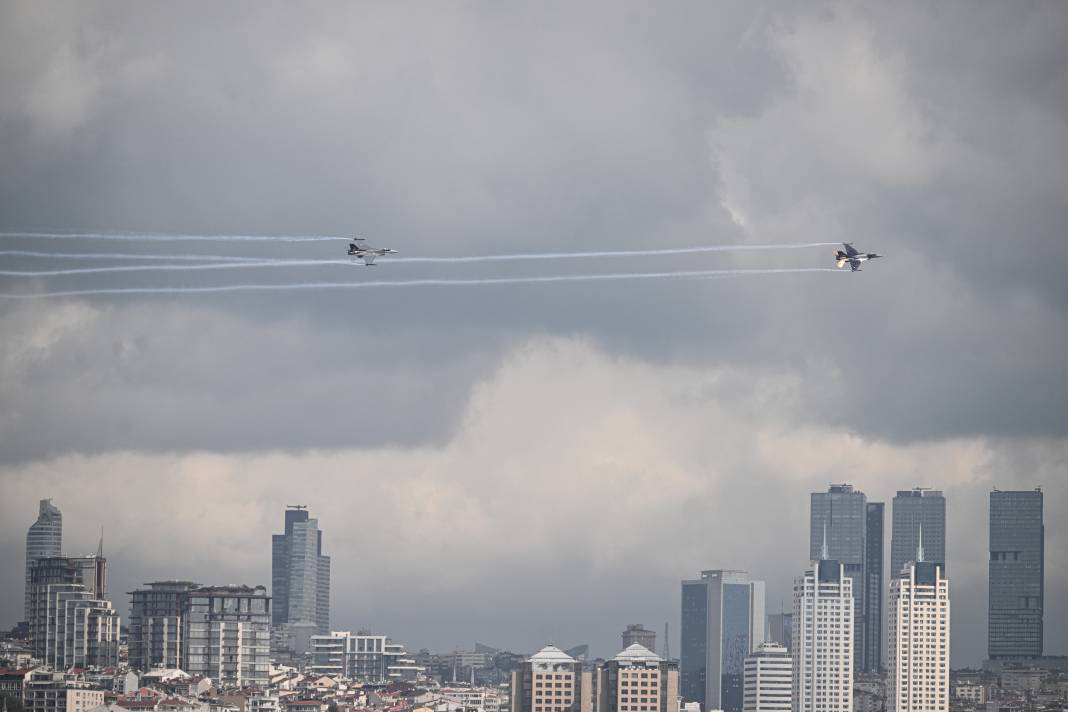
(100, 546)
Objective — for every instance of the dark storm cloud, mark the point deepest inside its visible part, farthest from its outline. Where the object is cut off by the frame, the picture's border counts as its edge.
(935, 135)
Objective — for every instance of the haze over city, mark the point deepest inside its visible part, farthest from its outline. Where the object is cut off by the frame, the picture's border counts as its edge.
(523, 463)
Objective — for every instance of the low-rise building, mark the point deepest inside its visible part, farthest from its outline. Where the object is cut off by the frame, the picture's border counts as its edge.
(47, 691)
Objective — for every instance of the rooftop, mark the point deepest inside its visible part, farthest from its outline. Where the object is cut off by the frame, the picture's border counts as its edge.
(637, 653)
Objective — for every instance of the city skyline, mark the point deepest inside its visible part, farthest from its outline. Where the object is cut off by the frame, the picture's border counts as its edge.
(613, 348)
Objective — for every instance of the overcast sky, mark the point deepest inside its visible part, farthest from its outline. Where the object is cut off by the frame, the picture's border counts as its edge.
(534, 463)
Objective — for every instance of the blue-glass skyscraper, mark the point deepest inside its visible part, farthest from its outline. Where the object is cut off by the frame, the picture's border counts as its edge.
(300, 574)
(1017, 575)
(722, 623)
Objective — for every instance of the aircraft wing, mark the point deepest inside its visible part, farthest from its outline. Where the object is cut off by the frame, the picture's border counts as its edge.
(850, 250)
(369, 258)
(854, 265)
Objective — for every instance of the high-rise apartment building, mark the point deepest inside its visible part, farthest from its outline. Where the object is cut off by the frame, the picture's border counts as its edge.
(637, 680)
(853, 528)
(44, 539)
(918, 632)
(73, 629)
(1017, 575)
(156, 626)
(362, 656)
(300, 574)
(637, 633)
(914, 510)
(781, 629)
(722, 623)
(823, 639)
(227, 634)
(552, 681)
(769, 679)
(77, 578)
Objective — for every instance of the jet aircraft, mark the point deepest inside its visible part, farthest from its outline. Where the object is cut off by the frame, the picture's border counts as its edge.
(365, 253)
(852, 257)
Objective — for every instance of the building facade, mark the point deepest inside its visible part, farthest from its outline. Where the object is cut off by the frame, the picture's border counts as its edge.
(637, 680)
(361, 656)
(155, 629)
(781, 629)
(823, 639)
(918, 631)
(637, 633)
(71, 624)
(227, 634)
(1017, 575)
(769, 679)
(853, 528)
(300, 574)
(722, 622)
(914, 510)
(552, 681)
(44, 539)
(47, 691)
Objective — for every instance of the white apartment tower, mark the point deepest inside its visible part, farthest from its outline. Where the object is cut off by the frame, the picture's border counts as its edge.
(919, 638)
(769, 679)
(823, 639)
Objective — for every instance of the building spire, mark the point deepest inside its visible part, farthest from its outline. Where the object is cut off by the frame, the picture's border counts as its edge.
(919, 547)
(824, 554)
(100, 546)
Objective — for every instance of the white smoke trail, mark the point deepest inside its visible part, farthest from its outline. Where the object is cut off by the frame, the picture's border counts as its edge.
(127, 256)
(162, 237)
(419, 283)
(252, 262)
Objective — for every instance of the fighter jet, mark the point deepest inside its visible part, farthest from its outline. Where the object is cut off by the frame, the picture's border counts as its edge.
(852, 257)
(365, 253)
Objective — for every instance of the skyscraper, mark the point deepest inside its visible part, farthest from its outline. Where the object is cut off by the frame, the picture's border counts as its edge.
(781, 629)
(1017, 575)
(919, 638)
(823, 639)
(44, 538)
(854, 536)
(914, 509)
(722, 623)
(300, 574)
(769, 676)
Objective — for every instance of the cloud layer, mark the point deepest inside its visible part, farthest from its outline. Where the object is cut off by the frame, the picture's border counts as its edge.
(539, 461)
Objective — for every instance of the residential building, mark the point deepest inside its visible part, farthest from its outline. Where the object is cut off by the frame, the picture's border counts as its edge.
(637, 680)
(918, 631)
(227, 634)
(300, 574)
(637, 633)
(1017, 575)
(780, 629)
(156, 626)
(77, 630)
(47, 691)
(552, 681)
(722, 622)
(853, 529)
(823, 638)
(44, 538)
(769, 679)
(916, 509)
(362, 656)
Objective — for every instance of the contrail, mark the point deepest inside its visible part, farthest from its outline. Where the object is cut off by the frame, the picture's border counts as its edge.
(162, 237)
(253, 262)
(418, 283)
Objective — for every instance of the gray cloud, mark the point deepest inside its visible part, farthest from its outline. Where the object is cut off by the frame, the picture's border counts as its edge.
(935, 135)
